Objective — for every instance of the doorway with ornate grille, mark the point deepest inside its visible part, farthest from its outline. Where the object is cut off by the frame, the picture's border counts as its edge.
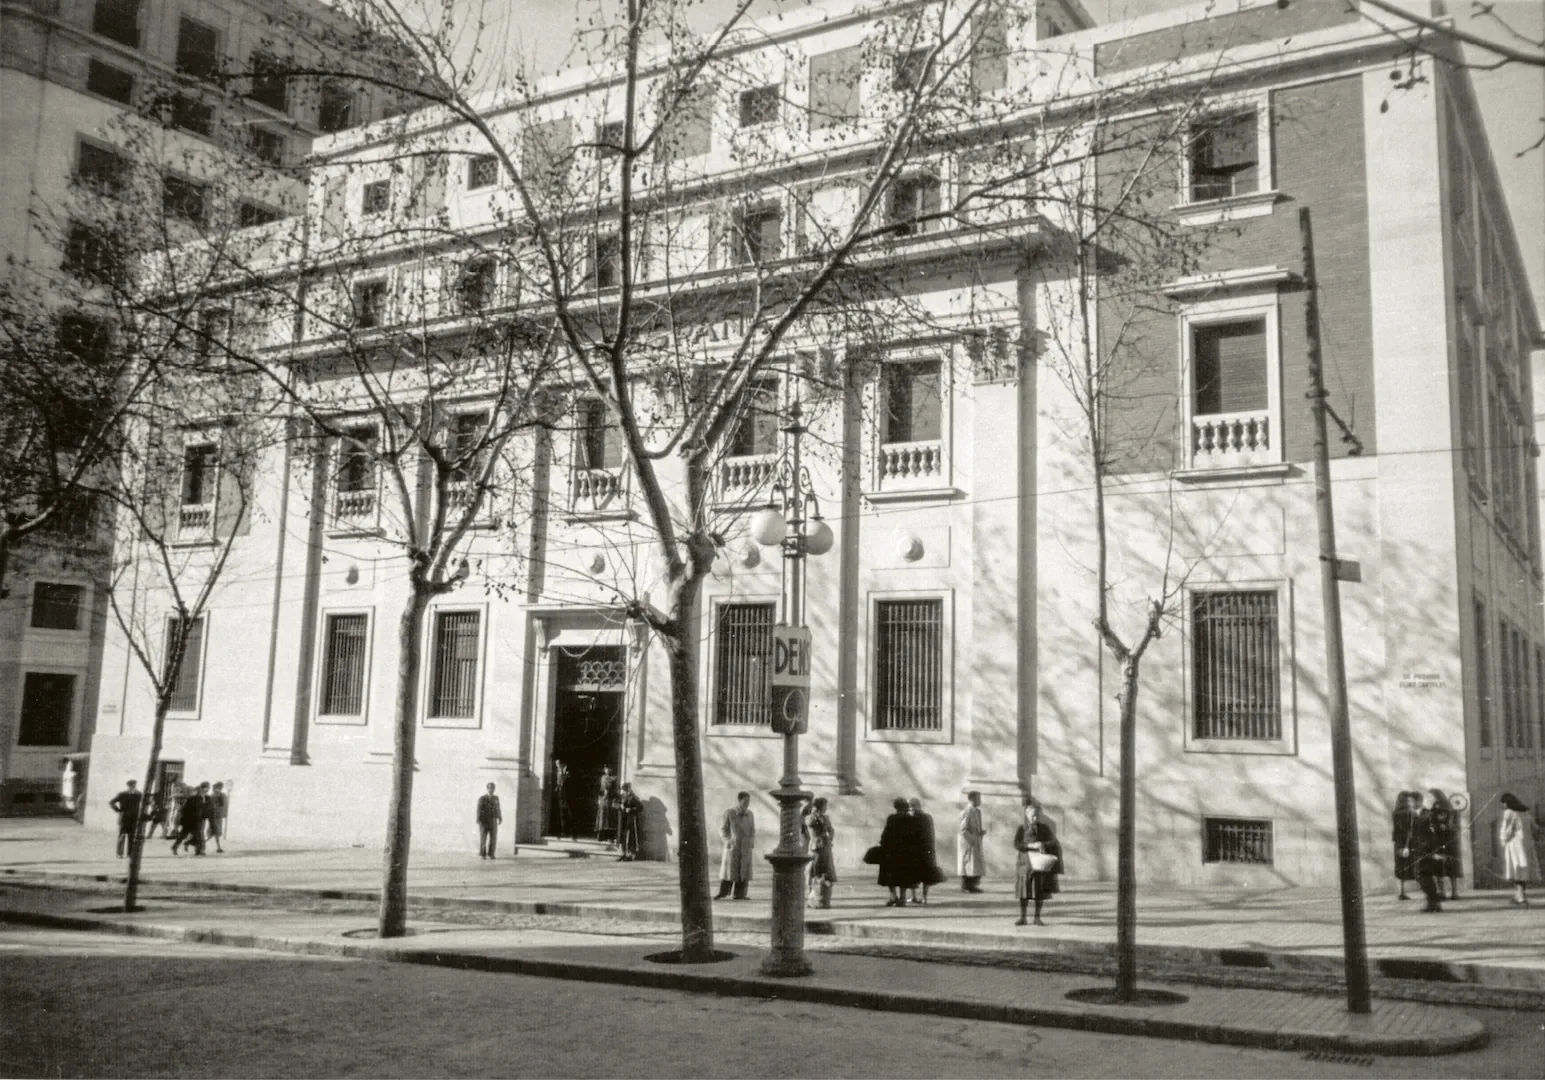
(587, 736)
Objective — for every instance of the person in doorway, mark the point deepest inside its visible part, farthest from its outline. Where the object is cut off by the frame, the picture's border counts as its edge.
(898, 855)
(606, 804)
(489, 818)
(630, 809)
(562, 825)
(738, 831)
(126, 805)
(823, 867)
(1450, 865)
(191, 820)
(1035, 875)
(1520, 863)
(1402, 821)
(969, 860)
(1426, 851)
(927, 859)
(217, 810)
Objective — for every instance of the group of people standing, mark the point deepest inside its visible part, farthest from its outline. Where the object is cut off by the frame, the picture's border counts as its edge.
(905, 854)
(619, 814)
(188, 816)
(1426, 837)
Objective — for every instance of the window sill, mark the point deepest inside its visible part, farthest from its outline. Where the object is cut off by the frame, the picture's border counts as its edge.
(184, 715)
(742, 731)
(917, 494)
(460, 723)
(1232, 208)
(585, 517)
(1236, 474)
(331, 720)
(922, 738)
(1258, 747)
(355, 532)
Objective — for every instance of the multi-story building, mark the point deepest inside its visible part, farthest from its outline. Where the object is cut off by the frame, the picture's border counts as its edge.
(109, 102)
(952, 618)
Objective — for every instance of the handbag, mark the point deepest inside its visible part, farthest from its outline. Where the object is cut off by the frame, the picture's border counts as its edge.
(872, 856)
(1041, 861)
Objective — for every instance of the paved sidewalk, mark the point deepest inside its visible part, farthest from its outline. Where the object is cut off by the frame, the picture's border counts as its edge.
(1266, 1019)
(1479, 940)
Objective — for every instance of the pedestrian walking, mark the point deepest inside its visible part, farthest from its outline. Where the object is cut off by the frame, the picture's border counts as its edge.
(217, 810)
(179, 795)
(127, 806)
(1520, 862)
(969, 860)
(606, 804)
(630, 809)
(923, 836)
(489, 818)
(191, 819)
(823, 867)
(738, 831)
(1402, 821)
(1426, 851)
(1039, 863)
(562, 824)
(898, 854)
(1450, 865)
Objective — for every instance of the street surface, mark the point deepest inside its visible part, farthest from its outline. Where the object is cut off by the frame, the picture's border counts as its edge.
(97, 1005)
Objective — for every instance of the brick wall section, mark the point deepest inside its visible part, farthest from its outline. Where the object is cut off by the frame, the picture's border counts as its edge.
(1319, 163)
(1265, 23)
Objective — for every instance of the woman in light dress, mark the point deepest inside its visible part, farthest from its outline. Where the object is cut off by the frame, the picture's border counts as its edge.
(1520, 863)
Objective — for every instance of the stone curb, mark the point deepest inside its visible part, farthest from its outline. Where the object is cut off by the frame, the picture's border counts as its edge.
(1422, 969)
(1465, 1032)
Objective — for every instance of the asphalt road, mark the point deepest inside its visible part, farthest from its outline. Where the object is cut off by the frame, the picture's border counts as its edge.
(96, 1005)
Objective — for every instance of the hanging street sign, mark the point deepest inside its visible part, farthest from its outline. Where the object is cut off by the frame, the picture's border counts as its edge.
(791, 680)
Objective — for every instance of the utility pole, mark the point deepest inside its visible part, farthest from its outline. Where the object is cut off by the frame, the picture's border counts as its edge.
(1353, 938)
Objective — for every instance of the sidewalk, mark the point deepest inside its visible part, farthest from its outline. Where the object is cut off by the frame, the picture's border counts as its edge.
(1479, 940)
(1265, 1019)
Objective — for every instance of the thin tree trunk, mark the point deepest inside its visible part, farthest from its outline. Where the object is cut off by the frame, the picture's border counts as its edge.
(1126, 841)
(393, 919)
(137, 837)
(697, 944)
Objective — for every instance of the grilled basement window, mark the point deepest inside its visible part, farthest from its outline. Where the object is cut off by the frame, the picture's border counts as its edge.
(185, 676)
(1236, 665)
(343, 668)
(1223, 157)
(453, 691)
(1241, 841)
(743, 665)
(56, 606)
(110, 82)
(909, 665)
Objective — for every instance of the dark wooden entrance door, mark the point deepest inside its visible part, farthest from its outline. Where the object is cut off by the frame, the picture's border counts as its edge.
(587, 734)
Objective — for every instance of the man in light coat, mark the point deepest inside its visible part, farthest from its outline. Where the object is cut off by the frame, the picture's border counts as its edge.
(968, 852)
(739, 835)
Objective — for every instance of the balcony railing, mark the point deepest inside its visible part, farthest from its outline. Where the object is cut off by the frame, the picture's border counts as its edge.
(195, 521)
(354, 507)
(1222, 440)
(918, 464)
(596, 489)
(742, 476)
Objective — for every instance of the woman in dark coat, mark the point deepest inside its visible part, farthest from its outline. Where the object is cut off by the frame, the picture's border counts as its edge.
(898, 854)
(607, 804)
(1030, 883)
(1450, 865)
(1401, 823)
(927, 861)
(1426, 850)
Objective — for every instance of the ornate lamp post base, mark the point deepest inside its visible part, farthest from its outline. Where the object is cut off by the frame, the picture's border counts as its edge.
(786, 958)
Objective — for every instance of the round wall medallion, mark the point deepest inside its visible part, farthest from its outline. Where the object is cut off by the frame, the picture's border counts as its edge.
(909, 548)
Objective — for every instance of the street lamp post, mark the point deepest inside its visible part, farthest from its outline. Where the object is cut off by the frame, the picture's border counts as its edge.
(797, 528)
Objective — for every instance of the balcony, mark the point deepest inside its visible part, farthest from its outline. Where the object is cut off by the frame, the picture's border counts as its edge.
(911, 464)
(1232, 440)
(355, 510)
(739, 479)
(597, 491)
(195, 522)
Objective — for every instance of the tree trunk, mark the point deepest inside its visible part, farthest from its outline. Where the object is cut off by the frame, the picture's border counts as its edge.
(137, 837)
(393, 919)
(1126, 841)
(691, 821)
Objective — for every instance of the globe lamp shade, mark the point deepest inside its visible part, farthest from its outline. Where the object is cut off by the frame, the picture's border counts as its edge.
(818, 538)
(768, 527)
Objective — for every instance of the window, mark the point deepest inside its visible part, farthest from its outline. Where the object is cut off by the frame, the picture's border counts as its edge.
(266, 146)
(546, 153)
(1538, 739)
(689, 130)
(913, 403)
(475, 284)
(758, 235)
(1223, 157)
(343, 666)
(56, 606)
(200, 474)
(183, 200)
(357, 461)
(600, 444)
(1236, 840)
(185, 676)
(760, 106)
(92, 255)
(834, 87)
(989, 51)
(84, 339)
(909, 665)
(609, 138)
(1482, 674)
(118, 20)
(192, 115)
(270, 85)
(482, 171)
(743, 665)
(1229, 367)
(369, 304)
(110, 82)
(376, 197)
(101, 169)
(214, 335)
(468, 447)
(198, 50)
(606, 261)
(911, 71)
(47, 707)
(335, 106)
(756, 428)
(1514, 661)
(914, 204)
(453, 685)
(249, 214)
(1235, 665)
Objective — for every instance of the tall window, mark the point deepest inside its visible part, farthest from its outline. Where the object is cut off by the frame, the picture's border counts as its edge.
(606, 261)
(343, 666)
(914, 204)
(47, 705)
(1482, 673)
(1223, 156)
(475, 284)
(989, 51)
(756, 428)
(355, 482)
(834, 87)
(214, 335)
(369, 304)
(198, 50)
(270, 85)
(335, 106)
(909, 665)
(467, 449)
(118, 20)
(200, 474)
(1229, 367)
(743, 665)
(56, 606)
(185, 676)
(913, 405)
(1538, 739)
(1236, 666)
(758, 234)
(600, 442)
(453, 687)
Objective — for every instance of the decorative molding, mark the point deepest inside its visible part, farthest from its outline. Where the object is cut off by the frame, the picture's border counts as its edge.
(1244, 473)
(1233, 208)
(1255, 277)
(995, 357)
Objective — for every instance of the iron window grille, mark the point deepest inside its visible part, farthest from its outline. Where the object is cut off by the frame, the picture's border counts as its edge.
(482, 171)
(453, 692)
(376, 197)
(343, 671)
(743, 665)
(760, 105)
(184, 676)
(1241, 841)
(1236, 665)
(909, 665)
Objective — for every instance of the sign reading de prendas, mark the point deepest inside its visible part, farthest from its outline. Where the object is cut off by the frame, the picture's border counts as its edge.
(791, 680)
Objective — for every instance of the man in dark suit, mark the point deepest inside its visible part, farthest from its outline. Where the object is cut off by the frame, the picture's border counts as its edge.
(192, 819)
(126, 804)
(489, 818)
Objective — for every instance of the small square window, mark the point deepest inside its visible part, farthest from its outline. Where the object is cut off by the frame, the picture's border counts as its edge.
(110, 82)
(482, 171)
(911, 71)
(1224, 156)
(192, 115)
(183, 200)
(761, 105)
(377, 197)
(609, 138)
(369, 304)
(267, 146)
(101, 169)
(117, 20)
(56, 606)
(1237, 840)
(92, 255)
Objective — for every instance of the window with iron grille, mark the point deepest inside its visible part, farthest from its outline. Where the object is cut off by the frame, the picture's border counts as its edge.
(1224, 157)
(376, 197)
(1482, 674)
(184, 677)
(913, 405)
(909, 665)
(743, 665)
(1236, 665)
(760, 105)
(110, 82)
(453, 689)
(47, 705)
(1237, 840)
(343, 666)
(482, 171)
(609, 138)
(56, 606)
